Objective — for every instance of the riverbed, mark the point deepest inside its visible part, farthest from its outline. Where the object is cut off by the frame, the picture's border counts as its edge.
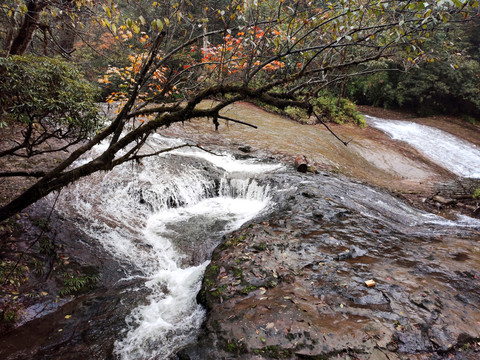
(289, 279)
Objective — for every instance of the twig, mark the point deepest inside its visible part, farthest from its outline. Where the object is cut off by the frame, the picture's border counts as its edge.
(139, 157)
(331, 131)
(33, 243)
(237, 121)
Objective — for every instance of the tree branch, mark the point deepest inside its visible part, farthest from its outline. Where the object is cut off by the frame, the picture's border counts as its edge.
(331, 131)
(237, 121)
(36, 174)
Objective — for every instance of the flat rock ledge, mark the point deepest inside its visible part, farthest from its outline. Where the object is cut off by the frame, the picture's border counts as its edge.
(291, 288)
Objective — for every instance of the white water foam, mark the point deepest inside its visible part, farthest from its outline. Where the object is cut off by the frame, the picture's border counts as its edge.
(128, 210)
(459, 156)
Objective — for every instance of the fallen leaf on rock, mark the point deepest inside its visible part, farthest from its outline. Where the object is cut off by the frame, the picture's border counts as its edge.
(370, 283)
(68, 316)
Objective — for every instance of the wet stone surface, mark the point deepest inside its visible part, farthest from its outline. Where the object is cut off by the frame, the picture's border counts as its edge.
(80, 325)
(293, 286)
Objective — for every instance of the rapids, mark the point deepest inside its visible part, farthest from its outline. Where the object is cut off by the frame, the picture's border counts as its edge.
(457, 155)
(163, 218)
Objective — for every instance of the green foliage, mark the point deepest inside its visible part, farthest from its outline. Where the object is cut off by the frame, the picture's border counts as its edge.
(219, 291)
(327, 105)
(337, 110)
(440, 74)
(9, 316)
(12, 273)
(46, 246)
(42, 223)
(430, 88)
(74, 284)
(248, 288)
(47, 91)
(234, 346)
(376, 89)
(9, 312)
(439, 87)
(476, 193)
(297, 114)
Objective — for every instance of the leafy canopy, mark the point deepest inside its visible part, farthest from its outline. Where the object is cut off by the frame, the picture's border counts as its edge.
(48, 97)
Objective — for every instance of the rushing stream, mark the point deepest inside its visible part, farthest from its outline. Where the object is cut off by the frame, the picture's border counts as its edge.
(163, 218)
(459, 156)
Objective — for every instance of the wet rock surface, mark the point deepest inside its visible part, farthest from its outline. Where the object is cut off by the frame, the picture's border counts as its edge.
(77, 325)
(293, 285)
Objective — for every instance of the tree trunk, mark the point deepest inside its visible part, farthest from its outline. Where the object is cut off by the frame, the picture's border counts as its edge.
(24, 35)
(52, 182)
(301, 163)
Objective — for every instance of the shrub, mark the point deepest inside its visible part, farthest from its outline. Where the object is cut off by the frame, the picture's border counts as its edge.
(49, 92)
(476, 193)
(440, 87)
(338, 111)
(434, 87)
(376, 89)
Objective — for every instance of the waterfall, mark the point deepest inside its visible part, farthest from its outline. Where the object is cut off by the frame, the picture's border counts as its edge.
(456, 155)
(163, 218)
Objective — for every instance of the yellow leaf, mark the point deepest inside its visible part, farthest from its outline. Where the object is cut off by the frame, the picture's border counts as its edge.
(60, 330)
(68, 316)
(44, 293)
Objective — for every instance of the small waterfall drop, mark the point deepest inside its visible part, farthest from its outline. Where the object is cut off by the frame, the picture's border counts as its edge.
(457, 155)
(162, 218)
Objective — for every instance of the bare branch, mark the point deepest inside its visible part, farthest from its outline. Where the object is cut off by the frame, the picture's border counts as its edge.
(331, 131)
(36, 174)
(237, 121)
